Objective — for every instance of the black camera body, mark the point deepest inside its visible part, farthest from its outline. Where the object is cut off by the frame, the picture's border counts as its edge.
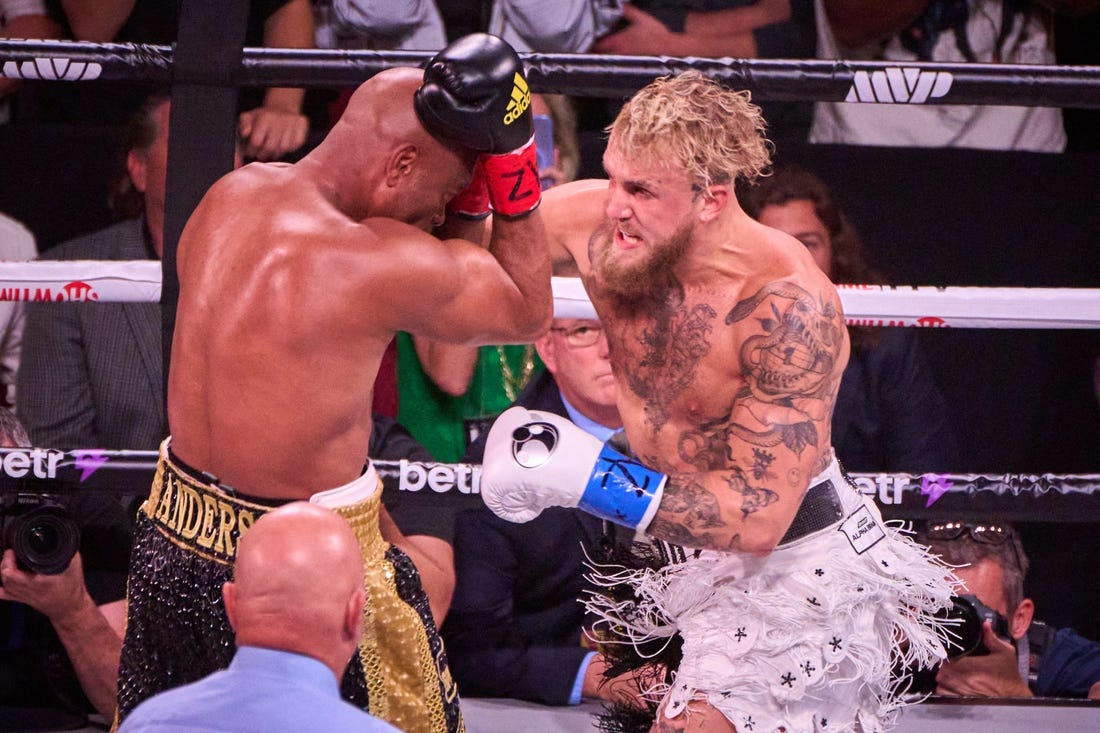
(971, 614)
(966, 635)
(965, 617)
(40, 531)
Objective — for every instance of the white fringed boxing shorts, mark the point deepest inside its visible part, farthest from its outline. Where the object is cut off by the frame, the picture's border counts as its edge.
(803, 639)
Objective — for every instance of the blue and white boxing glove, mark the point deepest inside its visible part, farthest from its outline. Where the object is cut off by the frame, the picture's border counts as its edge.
(534, 460)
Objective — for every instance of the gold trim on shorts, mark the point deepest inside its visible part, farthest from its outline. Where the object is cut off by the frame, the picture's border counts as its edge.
(199, 517)
(403, 677)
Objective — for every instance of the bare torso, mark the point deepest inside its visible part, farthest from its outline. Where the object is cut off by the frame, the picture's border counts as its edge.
(685, 368)
(274, 356)
(726, 385)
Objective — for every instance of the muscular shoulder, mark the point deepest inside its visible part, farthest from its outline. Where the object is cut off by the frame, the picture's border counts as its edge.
(782, 259)
(790, 295)
(572, 212)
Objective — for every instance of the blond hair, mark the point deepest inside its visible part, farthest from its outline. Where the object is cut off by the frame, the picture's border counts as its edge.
(715, 133)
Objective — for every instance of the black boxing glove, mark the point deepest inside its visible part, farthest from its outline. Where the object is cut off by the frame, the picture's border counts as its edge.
(475, 95)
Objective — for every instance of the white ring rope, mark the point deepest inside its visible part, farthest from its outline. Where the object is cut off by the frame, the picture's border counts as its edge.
(63, 281)
(957, 307)
(864, 305)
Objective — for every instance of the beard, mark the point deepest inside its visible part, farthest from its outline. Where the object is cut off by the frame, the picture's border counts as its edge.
(636, 285)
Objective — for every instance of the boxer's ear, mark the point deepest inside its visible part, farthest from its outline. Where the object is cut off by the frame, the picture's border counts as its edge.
(401, 163)
(714, 199)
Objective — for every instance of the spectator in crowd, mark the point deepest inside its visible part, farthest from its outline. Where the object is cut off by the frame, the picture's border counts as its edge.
(890, 415)
(271, 123)
(954, 31)
(379, 24)
(531, 25)
(91, 376)
(22, 19)
(16, 244)
(63, 632)
(516, 627)
(716, 28)
(1035, 660)
(448, 395)
(296, 606)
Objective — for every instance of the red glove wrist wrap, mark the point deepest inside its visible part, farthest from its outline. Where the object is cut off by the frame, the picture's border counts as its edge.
(513, 178)
(472, 202)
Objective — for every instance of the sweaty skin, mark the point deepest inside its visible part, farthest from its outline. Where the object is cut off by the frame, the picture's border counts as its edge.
(728, 363)
(294, 278)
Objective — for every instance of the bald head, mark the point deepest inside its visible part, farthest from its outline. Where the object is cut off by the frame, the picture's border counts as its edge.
(298, 584)
(381, 161)
(381, 111)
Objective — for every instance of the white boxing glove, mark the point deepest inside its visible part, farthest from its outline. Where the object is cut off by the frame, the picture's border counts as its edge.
(534, 460)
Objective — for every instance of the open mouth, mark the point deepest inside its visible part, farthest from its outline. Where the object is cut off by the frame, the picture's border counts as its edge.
(627, 240)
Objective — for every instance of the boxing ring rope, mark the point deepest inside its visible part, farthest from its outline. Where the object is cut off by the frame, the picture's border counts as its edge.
(1011, 497)
(594, 75)
(864, 305)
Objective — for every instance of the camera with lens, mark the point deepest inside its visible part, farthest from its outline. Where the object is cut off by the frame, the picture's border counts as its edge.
(40, 531)
(965, 618)
(968, 615)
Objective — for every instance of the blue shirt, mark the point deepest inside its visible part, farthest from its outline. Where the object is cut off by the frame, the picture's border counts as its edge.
(1070, 667)
(262, 690)
(586, 423)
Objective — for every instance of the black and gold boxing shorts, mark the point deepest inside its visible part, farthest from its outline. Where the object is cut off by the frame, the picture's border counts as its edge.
(177, 632)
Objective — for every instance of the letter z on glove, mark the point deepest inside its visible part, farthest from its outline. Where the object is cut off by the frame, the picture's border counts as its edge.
(534, 460)
(475, 95)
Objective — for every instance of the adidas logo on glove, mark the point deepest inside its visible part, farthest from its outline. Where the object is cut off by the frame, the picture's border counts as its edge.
(520, 101)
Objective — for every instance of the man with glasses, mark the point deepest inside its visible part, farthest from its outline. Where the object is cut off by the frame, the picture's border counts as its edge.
(1036, 660)
(515, 624)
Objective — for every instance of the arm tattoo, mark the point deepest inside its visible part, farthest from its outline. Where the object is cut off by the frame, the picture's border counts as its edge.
(697, 509)
(791, 363)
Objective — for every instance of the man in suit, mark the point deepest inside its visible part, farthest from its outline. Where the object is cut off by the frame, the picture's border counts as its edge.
(91, 375)
(515, 627)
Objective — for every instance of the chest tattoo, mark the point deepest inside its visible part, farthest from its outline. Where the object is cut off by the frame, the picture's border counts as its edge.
(662, 362)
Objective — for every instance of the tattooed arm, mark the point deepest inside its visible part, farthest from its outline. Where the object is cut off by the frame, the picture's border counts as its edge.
(753, 465)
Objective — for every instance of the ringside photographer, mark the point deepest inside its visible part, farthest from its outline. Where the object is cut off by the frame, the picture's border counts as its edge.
(63, 624)
(1003, 651)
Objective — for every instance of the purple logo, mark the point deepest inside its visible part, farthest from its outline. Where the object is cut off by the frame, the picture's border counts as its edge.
(934, 486)
(88, 461)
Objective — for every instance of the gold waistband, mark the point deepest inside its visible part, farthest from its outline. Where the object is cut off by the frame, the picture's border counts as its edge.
(208, 520)
(200, 516)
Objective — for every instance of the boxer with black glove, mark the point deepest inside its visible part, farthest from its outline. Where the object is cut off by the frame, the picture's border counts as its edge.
(476, 95)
